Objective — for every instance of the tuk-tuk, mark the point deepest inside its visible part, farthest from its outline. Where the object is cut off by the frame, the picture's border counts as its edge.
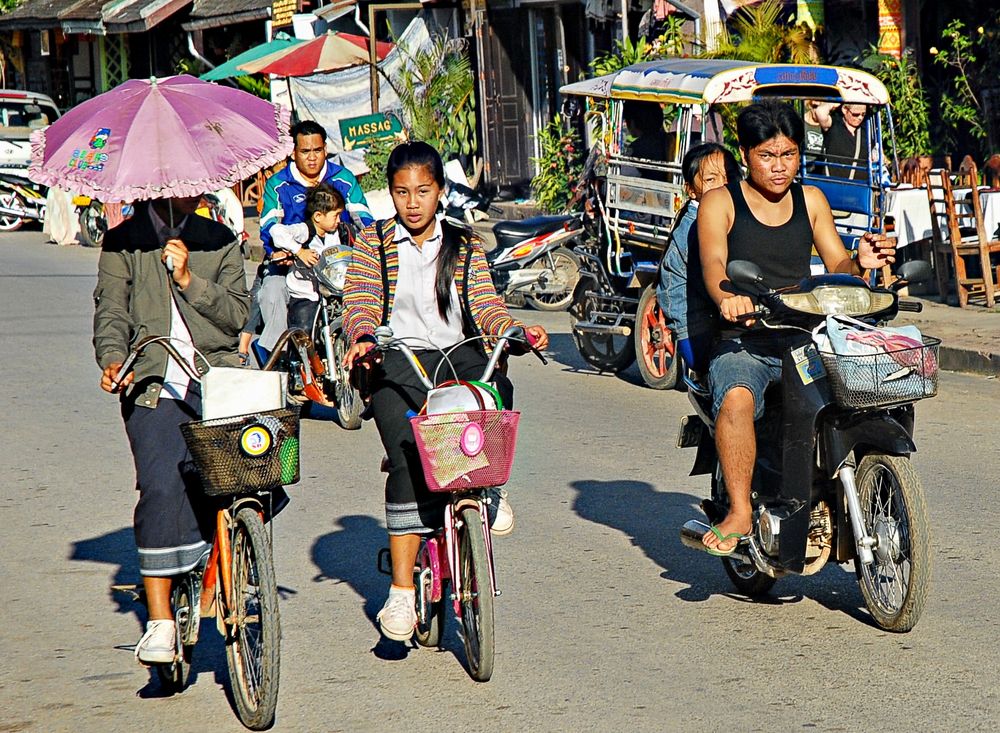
(637, 197)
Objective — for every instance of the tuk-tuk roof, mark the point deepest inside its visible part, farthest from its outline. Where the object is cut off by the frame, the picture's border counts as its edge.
(712, 81)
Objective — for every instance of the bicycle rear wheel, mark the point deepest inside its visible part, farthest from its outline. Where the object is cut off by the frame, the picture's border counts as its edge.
(174, 676)
(429, 622)
(477, 596)
(253, 651)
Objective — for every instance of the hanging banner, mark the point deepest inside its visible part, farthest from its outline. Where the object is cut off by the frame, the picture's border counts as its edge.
(890, 23)
(282, 12)
(810, 12)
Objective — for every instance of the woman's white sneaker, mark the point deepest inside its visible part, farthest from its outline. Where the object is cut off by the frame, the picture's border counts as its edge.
(158, 644)
(398, 617)
(503, 522)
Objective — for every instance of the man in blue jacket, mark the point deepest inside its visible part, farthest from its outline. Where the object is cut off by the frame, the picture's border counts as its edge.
(285, 203)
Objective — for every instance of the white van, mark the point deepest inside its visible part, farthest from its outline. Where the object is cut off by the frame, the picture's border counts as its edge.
(21, 113)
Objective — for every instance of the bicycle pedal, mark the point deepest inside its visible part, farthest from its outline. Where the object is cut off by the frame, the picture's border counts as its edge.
(137, 592)
(384, 562)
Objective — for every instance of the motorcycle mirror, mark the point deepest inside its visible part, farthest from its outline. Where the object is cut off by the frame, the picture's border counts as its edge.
(746, 275)
(914, 271)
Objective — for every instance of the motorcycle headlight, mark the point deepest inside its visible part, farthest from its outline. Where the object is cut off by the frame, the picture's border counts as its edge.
(334, 268)
(838, 300)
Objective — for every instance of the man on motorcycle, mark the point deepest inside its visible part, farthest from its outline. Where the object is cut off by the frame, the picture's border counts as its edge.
(285, 203)
(774, 222)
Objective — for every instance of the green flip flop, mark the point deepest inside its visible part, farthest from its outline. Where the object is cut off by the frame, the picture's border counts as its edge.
(732, 535)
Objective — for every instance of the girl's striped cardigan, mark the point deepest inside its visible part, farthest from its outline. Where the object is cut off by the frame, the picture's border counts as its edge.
(366, 305)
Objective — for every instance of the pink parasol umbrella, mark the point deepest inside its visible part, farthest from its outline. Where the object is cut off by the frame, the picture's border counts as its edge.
(329, 52)
(158, 138)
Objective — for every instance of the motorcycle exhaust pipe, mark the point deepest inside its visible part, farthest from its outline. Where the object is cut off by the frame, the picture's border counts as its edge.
(22, 213)
(693, 531)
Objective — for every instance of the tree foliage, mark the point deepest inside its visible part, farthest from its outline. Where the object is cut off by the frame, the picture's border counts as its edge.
(436, 89)
(910, 108)
(759, 33)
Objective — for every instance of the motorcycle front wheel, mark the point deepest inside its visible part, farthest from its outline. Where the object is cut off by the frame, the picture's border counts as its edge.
(564, 275)
(345, 396)
(10, 222)
(894, 512)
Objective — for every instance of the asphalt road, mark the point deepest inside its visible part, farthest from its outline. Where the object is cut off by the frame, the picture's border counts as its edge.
(606, 622)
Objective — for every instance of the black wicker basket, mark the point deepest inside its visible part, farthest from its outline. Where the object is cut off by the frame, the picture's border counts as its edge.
(247, 453)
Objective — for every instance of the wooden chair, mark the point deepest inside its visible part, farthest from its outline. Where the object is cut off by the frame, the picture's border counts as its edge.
(991, 171)
(960, 238)
(911, 173)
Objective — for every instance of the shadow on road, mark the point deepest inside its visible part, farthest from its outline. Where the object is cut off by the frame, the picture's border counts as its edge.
(349, 555)
(113, 548)
(562, 350)
(118, 548)
(652, 520)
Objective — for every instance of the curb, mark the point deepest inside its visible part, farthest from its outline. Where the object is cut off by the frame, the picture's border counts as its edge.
(969, 361)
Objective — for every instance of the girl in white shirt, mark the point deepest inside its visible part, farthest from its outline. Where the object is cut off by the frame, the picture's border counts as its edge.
(307, 241)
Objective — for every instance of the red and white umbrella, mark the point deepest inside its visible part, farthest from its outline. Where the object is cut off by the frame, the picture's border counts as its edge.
(329, 52)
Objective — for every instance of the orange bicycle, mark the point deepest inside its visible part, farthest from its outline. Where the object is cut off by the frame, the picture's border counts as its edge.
(241, 460)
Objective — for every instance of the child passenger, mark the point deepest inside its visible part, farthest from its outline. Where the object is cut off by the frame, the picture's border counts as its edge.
(689, 311)
(308, 241)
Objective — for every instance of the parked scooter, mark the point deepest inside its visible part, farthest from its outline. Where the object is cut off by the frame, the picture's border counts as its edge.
(20, 200)
(533, 258)
(833, 478)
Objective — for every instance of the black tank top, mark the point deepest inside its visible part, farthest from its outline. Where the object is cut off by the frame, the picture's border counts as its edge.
(782, 252)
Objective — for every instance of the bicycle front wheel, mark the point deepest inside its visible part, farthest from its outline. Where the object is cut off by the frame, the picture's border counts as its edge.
(477, 596)
(253, 650)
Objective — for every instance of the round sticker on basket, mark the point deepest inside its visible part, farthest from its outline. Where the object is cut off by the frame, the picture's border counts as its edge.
(472, 441)
(255, 440)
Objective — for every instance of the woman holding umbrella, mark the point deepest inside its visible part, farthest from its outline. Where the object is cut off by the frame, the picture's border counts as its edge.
(165, 271)
(187, 282)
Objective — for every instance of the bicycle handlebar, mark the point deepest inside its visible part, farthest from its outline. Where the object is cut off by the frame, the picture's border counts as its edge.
(385, 341)
(300, 337)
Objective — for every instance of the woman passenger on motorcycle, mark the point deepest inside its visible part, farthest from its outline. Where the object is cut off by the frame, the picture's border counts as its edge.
(689, 311)
(435, 288)
(307, 241)
(775, 222)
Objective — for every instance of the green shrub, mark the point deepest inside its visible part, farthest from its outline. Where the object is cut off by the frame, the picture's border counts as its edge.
(559, 167)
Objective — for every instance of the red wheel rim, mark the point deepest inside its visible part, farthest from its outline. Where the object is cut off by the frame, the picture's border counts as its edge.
(655, 341)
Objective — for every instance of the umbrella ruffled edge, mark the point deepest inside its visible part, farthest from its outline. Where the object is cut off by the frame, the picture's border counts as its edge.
(66, 180)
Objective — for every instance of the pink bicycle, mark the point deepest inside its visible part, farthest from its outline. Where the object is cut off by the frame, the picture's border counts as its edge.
(467, 453)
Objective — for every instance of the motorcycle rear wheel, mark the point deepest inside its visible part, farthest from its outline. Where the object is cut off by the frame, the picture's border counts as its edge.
(748, 580)
(9, 222)
(654, 343)
(895, 513)
(92, 224)
(566, 273)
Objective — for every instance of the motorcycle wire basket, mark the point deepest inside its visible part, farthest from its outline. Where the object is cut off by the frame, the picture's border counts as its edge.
(884, 378)
(466, 450)
(247, 453)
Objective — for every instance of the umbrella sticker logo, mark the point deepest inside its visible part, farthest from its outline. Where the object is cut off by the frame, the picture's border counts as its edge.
(92, 160)
(100, 138)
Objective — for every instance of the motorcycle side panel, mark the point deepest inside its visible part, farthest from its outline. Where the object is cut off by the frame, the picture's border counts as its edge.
(876, 430)
(803, 400)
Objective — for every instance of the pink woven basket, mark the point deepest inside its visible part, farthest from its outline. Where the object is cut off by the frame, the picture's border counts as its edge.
(466, 450)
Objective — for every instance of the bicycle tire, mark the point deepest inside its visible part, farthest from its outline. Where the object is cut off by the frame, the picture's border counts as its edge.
(253, 650)
(477, 597)
(428, 631)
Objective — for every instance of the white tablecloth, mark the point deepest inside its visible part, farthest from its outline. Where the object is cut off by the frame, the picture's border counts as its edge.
(912, 212)
(990, 201)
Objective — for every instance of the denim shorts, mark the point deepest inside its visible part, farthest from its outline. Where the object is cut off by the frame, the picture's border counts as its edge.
(740, 362)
